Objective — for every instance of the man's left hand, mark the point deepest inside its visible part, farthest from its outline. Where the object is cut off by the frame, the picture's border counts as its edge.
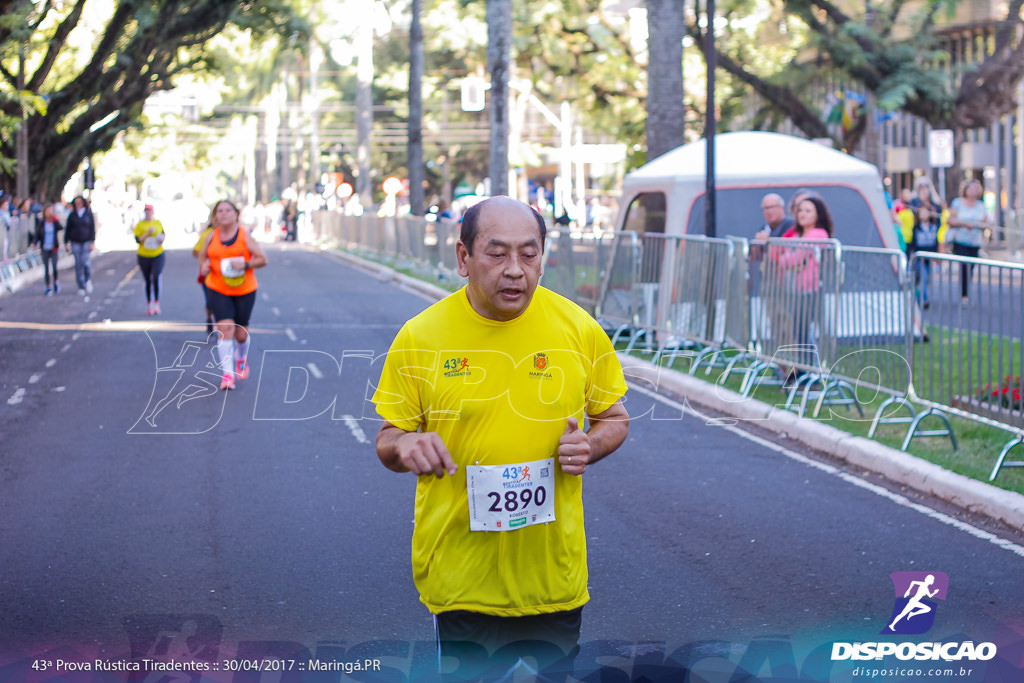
(573, 448)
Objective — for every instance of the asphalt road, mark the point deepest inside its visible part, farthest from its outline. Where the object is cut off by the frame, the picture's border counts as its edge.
(145, 514)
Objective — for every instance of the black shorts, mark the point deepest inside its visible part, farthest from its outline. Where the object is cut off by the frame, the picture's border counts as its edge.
(487, 646)
(236, 308)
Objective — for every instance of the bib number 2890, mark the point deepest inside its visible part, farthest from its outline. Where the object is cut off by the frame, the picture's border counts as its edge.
(507, 497)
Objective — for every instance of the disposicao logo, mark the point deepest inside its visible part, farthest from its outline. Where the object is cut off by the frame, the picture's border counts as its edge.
(913, 613)
(916, 592)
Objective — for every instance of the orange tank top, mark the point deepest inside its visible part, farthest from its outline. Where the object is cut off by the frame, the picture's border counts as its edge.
(223, 278)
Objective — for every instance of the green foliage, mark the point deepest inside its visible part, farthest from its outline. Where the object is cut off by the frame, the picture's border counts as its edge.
(99, 67)
(573, 50)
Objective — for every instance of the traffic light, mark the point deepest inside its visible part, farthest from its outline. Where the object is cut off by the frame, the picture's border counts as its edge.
(90, 178)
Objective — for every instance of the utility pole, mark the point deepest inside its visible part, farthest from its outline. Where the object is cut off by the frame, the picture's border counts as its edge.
(711, 60)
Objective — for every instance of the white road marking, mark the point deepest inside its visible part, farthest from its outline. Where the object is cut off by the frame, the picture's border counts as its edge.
(314, 370)
(291, 335)
(980, 534)
(353, 426)
(64, 349)
(16, 397)
(276, 311)
(50, 363)
(34, 379)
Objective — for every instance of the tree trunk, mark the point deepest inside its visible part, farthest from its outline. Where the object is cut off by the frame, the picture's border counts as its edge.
(499, 54)
(416, 59)
(665, 111)
(364, 101)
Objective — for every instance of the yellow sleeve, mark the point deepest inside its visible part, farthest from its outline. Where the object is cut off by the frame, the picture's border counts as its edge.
(607, 382)
(399, 395)
(199, 244)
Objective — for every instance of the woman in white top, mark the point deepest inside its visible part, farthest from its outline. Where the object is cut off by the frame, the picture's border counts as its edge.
(968, 220)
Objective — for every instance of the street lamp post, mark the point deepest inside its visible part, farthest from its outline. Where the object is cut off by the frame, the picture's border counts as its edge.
(711, 61)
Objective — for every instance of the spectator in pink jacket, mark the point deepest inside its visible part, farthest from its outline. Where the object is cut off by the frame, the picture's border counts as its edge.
(813, 222)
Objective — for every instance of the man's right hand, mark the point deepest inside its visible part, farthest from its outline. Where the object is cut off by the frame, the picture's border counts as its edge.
(424, 453)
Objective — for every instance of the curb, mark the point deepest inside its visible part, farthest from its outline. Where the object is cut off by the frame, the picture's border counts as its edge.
(896, 466)
(386, 273)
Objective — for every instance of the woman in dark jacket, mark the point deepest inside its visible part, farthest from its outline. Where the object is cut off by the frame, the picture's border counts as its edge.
(79, 238)
(47, 236)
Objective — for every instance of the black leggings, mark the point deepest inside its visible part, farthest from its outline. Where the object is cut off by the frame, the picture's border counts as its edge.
(966, 269)
(151, 267)
(49, 263)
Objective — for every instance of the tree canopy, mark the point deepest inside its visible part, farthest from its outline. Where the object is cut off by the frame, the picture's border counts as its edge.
(79, 71)
(95, 76)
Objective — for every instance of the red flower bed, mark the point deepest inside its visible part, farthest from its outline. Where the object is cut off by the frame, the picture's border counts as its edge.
(1006, 394)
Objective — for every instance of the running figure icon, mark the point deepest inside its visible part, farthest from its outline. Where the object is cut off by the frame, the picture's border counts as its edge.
(915, 606)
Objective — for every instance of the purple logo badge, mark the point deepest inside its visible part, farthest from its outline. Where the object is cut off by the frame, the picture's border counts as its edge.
(916, 592)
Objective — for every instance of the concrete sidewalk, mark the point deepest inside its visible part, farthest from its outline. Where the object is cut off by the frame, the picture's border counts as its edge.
(896, 466)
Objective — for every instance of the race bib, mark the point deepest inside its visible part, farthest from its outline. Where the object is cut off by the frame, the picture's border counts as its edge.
(509, 497)
(233, 275)
(151, 243)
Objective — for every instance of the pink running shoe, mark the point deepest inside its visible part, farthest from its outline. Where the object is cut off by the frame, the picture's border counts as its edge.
(156, 308)
(227, 382)
(149, 308)
(242, 369)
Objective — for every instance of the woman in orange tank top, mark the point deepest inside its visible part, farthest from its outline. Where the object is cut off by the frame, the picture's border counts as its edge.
(228, 260)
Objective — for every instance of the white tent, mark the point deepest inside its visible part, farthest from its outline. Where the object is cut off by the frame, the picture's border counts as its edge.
(667, 195)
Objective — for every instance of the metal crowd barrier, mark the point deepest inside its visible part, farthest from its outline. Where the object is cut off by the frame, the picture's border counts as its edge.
(789, 318)
(1007, 240)
(404, 243)
(972, 364)
(697, 296)
(667, 292)
(871, 325)
(618, 298)
(856, 321)
(20, 264)
(737, 307)
(575, 264)
(17, 238)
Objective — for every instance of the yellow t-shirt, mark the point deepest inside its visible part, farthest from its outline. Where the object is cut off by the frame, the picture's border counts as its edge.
(907, 224)
(149, 246)
(202, 238)
(498, 393)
